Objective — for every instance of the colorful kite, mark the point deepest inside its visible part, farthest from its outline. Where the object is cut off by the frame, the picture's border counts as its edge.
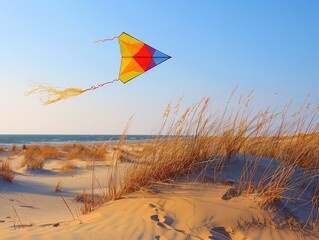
(137, 58)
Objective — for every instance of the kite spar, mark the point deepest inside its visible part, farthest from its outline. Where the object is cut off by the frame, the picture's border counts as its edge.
(137, 58)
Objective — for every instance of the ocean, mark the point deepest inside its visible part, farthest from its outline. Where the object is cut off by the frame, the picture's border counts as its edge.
(6, 139)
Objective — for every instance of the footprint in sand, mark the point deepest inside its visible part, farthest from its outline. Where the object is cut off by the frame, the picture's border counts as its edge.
(219, 233)
(162, 221)
(158, 215)
(155, 207)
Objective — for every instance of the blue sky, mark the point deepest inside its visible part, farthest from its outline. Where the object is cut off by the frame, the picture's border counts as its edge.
(269, 46)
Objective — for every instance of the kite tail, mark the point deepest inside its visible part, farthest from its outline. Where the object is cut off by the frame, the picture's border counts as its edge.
(106, 39)
(52, 95)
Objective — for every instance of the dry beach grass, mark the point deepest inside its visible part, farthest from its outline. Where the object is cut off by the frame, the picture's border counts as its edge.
(6, 172)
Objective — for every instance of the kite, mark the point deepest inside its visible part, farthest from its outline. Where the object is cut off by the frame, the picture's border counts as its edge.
(137, 58)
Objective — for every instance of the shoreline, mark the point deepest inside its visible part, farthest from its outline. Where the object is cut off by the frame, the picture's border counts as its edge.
(58, 140)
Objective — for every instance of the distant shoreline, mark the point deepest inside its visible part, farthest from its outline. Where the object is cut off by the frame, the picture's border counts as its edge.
(60, 139)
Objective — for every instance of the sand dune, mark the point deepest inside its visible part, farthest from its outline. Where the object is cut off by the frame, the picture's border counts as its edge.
(181, 211)
(31, 209)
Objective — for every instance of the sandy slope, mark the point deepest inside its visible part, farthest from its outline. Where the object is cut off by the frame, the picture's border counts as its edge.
(169, 211)
(182, 211)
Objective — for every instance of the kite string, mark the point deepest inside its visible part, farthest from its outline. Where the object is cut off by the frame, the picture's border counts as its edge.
(106, 39)
(100, 85)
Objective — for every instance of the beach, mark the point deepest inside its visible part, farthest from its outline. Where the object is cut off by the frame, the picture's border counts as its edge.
(49, 202)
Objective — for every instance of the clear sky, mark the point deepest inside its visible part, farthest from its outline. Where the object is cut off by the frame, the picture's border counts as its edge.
(270, 46)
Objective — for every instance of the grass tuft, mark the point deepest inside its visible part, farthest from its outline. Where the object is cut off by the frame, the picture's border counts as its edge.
(58, 187)
(6, 172)
(35, 155)
(84, 152)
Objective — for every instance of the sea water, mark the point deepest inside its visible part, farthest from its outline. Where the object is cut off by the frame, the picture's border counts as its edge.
(6, 139)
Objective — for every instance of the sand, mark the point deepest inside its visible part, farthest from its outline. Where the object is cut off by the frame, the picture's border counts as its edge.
(31, 209)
